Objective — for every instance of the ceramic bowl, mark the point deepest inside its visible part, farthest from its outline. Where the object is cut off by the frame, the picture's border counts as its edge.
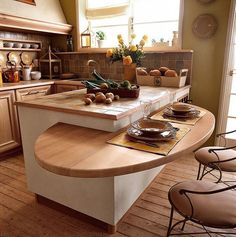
(17, 45)
(26, 46)
(34, 46)
(181, 108)
(149, 126)
(8, 44)
(36, 75)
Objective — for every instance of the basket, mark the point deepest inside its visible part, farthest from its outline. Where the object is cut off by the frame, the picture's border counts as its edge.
(123, 93)
(148, 80)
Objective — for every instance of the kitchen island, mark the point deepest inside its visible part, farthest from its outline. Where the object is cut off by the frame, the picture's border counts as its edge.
(105, 180)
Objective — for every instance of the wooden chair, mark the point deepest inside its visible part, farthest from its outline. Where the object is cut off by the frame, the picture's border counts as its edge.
(216, 158)
(205, 203)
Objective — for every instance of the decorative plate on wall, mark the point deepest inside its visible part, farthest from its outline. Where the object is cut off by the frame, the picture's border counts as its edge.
(13, 56)
(26, 58)
(204, 26)
(2, 60)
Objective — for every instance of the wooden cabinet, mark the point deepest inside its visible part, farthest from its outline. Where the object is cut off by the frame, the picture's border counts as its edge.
(9, 128)
(32, 93)
(64, 88)
(9, 125)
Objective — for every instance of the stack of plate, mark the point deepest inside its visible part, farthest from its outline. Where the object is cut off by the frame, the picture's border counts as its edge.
(181, 110)
(151, 130)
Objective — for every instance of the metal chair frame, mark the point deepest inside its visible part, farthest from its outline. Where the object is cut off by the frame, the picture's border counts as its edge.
(215, 165)
(190, 217)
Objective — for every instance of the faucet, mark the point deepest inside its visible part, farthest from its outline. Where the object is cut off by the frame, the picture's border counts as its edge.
(90, 61)
(91, 66)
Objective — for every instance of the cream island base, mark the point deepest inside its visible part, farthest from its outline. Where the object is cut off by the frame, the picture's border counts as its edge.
(99, 180)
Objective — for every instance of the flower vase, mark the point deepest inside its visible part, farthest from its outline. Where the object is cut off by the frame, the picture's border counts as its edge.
(130, 72)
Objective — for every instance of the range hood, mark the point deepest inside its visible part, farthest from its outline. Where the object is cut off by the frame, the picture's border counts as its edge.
(45, 16)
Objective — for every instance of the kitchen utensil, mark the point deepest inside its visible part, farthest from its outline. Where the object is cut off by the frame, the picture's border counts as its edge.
(26, 58)
(192, 114)
(181, 108)
(26, 73)
(34, 46)
(13, 56)
(142, 142)
(2, 59)
(146, 106)
(152, 126)
(164, 136)
(26, 46)
(11, 74)
(17, 45)
(36, 75)
(8, 44)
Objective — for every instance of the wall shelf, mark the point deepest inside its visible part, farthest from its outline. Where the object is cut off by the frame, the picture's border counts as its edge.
(31, 42)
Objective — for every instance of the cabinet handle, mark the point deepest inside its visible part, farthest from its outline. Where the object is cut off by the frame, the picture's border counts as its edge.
(33, 92)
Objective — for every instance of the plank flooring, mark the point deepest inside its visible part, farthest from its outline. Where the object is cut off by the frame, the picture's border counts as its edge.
(21, 215)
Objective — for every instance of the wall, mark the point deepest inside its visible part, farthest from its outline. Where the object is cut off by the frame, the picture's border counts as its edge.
(42, 11)
(208, 53)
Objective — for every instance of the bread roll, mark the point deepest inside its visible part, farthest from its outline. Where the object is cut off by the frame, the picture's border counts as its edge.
(142, 72)
(171, 73)
(155, 73)
(163, 70)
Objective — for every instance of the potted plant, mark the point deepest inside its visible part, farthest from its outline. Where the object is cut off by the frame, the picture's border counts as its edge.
(100, 35)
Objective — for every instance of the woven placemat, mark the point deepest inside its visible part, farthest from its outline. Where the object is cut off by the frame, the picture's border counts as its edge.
(164, 147)
(188, 121)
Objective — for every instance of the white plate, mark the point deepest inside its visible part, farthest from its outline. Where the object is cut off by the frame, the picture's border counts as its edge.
(26, 58)
(2, 60)
(12, 56)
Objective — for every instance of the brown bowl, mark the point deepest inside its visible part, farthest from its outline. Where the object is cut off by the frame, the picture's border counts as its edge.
(152, 126)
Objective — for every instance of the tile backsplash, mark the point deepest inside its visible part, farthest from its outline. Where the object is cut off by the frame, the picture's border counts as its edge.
(77, 63)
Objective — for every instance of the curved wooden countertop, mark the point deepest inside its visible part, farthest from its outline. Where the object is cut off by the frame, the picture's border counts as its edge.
(75, 151)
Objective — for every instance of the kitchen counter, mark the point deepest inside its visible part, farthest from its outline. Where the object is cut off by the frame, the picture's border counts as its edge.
(41, 82)
(104, 195)
(25, 84)
(116, 115)
(91, 159)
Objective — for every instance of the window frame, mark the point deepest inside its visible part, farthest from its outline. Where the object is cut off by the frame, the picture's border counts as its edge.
(82, 23)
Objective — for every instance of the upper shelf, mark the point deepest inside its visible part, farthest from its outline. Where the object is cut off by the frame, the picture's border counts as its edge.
(15, 22)
(23, 45)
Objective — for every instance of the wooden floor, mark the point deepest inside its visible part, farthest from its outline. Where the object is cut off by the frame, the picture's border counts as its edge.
(21, 215)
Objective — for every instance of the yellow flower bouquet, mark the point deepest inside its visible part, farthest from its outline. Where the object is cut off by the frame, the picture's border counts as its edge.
(128, 54)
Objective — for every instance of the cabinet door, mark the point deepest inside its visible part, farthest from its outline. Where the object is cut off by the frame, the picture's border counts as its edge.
(9, 129)
(64, 88)
(32, 93)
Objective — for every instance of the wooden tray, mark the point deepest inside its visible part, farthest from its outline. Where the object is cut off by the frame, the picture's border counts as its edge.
(123, 93)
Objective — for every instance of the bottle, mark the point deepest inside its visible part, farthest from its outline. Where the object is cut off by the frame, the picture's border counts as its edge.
(175, 39)
(69, 43)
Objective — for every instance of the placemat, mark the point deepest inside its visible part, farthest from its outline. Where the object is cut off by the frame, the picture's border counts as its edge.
(164, 147)
(188, 121)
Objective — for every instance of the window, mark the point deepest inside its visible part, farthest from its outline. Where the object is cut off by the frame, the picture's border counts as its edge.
(155, 18)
